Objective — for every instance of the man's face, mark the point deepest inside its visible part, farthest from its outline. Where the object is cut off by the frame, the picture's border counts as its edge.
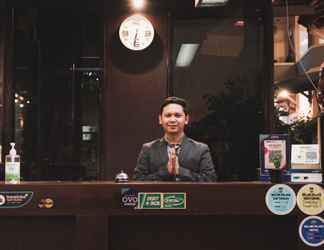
(173, 119)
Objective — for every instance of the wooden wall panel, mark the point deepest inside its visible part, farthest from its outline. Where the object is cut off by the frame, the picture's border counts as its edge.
(6, 75)
(135, 85)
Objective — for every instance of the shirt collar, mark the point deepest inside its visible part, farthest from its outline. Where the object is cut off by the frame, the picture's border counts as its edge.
(183, 139)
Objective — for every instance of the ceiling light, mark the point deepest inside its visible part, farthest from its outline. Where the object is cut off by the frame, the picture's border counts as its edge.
(186, 54)
(209, 3)
(138, 4)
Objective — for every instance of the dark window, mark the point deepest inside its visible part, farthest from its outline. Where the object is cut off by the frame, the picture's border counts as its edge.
(58, 77)
(221, 80)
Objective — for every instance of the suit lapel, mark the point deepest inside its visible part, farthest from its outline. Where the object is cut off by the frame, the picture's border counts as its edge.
(163, 152)
(184, 149)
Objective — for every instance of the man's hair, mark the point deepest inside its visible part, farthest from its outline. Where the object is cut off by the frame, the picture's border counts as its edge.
(176, 100)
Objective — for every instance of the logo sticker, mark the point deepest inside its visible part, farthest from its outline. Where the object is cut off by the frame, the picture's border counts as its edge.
(129, 197)
(280, 199)
(46, 203)
(310, 199)
(15, 199)
(174, 201)
(162, 201)
(149, 201)
(311, 231)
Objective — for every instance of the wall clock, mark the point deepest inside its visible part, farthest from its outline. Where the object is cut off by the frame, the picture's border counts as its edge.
(136, 32)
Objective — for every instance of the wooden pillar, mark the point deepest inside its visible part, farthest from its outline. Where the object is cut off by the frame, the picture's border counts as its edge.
(268, 67)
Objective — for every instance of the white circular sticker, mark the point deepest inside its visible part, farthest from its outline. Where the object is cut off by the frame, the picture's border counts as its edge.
(2, 200)
(311, 231)
(310, 199)
(280, 199)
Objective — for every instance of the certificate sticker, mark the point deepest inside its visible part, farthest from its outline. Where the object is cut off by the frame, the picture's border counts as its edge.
(310, 199)
(311, 231)
(280, 199)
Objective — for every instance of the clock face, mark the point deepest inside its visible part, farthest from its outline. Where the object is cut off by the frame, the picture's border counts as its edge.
(136, 32)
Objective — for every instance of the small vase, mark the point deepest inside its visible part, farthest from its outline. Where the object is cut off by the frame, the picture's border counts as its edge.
(275, 175)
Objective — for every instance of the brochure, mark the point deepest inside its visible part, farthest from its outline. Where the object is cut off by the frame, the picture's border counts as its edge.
(274, 154)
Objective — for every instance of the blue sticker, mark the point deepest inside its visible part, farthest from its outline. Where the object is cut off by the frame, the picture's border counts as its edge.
(311, 231)
(280, 199)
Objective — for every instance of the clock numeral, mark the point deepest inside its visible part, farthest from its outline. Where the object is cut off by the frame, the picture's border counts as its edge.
(125, 33)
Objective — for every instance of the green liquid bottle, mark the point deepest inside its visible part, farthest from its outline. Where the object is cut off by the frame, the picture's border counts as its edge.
(12, 166)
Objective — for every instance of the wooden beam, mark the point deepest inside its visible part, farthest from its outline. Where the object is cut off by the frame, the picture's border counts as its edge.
(293, 10)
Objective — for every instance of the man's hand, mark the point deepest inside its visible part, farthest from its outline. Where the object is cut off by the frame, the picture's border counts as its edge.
(172, 162)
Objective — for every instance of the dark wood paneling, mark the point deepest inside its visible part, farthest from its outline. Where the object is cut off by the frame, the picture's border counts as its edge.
(86, 215)
(35, 233)
(207, 233)
(6, 78)
(135, 85)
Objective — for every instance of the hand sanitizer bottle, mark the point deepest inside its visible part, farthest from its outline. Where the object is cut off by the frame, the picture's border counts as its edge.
(12, 166)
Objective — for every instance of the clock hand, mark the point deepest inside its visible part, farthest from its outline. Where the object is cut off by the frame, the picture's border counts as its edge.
(136, 44)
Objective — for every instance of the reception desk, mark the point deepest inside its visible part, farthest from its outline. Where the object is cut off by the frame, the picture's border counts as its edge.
(90, 215)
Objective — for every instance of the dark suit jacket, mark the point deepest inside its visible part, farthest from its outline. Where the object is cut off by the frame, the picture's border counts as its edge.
(194, 160)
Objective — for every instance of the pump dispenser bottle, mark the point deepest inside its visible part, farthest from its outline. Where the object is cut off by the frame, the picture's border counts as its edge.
(12, 166)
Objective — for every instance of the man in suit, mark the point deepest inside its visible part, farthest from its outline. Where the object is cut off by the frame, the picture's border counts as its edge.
(174, 156)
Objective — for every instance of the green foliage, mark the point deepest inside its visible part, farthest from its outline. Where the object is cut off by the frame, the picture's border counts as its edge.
(275, 157)
(231, 129)
(301, 131)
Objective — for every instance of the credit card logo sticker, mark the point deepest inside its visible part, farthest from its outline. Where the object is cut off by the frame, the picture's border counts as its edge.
(46, 203)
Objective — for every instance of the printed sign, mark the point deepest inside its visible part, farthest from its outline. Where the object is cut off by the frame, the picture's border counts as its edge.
(149, 200)
(129, 197)
(310, 199)
(174, 201)
(162, 201)
(280, 199)
(15, 199)
(305, 154)
(311, 231)
(274, 154)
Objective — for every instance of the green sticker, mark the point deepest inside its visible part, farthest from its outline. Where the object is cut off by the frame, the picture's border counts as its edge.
(162, 201)
(149, 200)
(174, 200)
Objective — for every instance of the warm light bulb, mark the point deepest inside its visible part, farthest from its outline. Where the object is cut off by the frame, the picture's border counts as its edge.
(138, 4)
(283, 94)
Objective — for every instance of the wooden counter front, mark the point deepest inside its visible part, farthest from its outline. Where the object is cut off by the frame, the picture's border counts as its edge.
(89, 215)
